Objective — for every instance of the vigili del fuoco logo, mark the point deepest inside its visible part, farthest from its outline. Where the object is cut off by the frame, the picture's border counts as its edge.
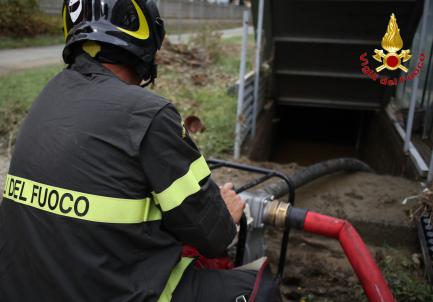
(391, 57)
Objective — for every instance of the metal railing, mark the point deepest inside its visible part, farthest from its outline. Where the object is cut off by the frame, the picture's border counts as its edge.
(417, 95)
(246, 120)
(251, 86)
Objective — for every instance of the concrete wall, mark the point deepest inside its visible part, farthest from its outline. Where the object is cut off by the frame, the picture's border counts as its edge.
(173, 9)
(52, 7)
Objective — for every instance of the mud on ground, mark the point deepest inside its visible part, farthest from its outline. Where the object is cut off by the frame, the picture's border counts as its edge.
(316, 268)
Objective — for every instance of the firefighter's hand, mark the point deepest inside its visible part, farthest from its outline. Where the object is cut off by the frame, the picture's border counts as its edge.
(234, 203)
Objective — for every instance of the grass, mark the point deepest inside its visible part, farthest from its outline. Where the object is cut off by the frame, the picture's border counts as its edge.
(207, 98)
(405, 277)
(49, 32)
(42, 40)
(213, 106)
(17, 92)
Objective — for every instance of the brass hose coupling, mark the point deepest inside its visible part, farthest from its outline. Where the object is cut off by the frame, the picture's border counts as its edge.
(276, 213)
(282, 215)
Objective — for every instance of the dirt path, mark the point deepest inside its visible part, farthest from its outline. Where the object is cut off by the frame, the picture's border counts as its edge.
(12, 60)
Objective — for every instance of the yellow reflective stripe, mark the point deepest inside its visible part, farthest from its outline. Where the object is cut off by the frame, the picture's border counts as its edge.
(173, 280)
(184, 186)
(142, 32)
(79, 205)
(65, 29)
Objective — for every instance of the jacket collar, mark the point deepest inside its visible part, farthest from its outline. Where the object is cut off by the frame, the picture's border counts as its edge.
(86, 65)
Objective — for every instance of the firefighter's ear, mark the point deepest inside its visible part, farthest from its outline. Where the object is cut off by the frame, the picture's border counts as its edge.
(193, 124)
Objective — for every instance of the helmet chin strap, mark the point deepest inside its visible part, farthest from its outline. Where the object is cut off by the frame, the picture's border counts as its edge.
(147, 83)
(152, 77)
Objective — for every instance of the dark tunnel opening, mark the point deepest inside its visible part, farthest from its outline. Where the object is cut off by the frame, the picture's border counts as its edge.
(306, 135)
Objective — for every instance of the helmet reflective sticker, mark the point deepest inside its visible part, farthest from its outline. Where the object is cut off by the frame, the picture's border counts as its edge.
(134, 26)
(67, 24)
(75, 7)
(142, 32)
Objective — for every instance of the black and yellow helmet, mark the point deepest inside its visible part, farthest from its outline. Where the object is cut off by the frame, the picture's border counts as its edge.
(115, 31)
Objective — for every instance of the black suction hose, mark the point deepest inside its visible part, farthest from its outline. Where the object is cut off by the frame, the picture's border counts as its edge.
(315, 171)
(303, 177)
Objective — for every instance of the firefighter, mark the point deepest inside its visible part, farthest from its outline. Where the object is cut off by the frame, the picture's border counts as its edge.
(105, 184)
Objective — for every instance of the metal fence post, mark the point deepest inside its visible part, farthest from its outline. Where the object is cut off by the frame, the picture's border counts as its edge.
(258, 63)
(238, 141)
(413, 97)
(430, 170)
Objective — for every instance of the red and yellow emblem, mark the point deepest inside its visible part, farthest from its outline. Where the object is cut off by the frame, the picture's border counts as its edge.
(392, 43)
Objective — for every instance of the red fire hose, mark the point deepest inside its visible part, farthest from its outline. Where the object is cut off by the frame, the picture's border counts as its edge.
(369, 274)
(356, 251)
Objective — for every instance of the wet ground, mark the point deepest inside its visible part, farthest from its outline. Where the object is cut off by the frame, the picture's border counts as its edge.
(316, 267)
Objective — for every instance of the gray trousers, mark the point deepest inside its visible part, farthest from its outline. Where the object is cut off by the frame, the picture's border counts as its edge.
(201, 285)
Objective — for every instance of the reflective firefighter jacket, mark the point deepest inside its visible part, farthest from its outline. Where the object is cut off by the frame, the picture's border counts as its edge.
(104, 187)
